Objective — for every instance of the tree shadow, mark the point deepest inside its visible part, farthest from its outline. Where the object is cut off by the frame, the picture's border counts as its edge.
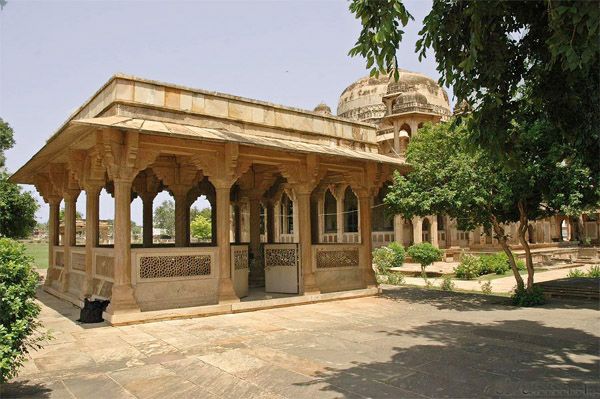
(467, 301)
(457, 359)
(25, 389)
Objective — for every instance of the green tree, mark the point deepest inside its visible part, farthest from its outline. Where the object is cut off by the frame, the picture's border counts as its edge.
(17, 210)
(18, 310)
(201, 227)
(424, 254)
(6, 140)
(452, 176)
(488, 51)
(164, 217)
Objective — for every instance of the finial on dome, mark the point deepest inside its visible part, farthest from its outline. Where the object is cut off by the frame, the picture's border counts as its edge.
(323, 109)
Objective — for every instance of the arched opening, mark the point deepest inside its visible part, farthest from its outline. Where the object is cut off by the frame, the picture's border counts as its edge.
(287, 215)
(330, 212)
(106, 212)
(350, 211)
(383, 218)
(441, 231)
(426, 235)
(137, 221)
(163, 209)
(201, 225)
(564, 230)
(406, 128)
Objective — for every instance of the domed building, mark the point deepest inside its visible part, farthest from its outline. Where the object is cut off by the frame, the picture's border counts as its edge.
(398, 108)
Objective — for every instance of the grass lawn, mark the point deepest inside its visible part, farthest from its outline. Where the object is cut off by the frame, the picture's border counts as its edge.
(39, 252)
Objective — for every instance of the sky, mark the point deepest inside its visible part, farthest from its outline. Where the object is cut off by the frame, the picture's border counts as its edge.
(55, 54)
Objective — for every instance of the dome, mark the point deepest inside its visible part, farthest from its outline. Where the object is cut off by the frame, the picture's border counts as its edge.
(413, 92)
(323, 108)
(362, 100)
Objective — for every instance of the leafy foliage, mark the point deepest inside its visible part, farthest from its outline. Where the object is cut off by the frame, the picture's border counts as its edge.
(533, 297)
(6, 140)
(18, 310)
(575, 273)
(496, 263)
(594, 271)
(389, 256)
(447, 284)
(201, 227)
(470, 267)
(486, 287)
(382, 22)
(424, 254)
(164, 217)
(17, 210)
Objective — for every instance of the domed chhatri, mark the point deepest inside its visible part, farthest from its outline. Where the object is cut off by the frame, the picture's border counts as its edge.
(398, 108)
(417, 93)
(362, 100)
(323, 108)
(367, 99)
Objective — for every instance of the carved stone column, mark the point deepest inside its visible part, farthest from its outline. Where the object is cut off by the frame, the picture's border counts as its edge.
(270, 225)
(70, 234)
(257, 274)
(181, 214)
(123, 299)
(340, 215)
(148, 218)
(399, 229)
(53, 230)
(417, 230)
(434, 231)
(366, 262)
(92, 209)
(309, 284)
(226, 290)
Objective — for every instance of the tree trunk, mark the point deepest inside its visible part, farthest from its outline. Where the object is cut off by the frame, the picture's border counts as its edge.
(523, 224)
(423, 274)
(501, 235)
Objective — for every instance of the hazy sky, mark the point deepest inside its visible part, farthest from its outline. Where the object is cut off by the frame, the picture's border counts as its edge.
(55, 54)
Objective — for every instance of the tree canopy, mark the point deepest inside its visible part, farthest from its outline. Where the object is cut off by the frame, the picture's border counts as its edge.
(6, 140)
(164, 217)
(201, 226)
(17, 210)
(489, 51)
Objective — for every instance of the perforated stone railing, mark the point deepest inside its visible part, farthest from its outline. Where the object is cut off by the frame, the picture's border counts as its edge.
(327, 257)
(281, 255)
(239, 257)
(167, 264)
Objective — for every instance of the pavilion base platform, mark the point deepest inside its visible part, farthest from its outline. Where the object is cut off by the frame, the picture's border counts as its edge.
(65, 296)
(246, 305)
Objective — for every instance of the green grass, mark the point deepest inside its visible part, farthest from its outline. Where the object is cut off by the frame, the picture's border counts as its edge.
(39, 252)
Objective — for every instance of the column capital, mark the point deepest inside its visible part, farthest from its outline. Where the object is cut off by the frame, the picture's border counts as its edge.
(71, 194)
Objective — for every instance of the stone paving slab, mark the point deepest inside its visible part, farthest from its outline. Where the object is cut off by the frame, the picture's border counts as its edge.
(406, 343)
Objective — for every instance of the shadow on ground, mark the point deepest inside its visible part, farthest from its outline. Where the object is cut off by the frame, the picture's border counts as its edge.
(455, 359)
(25, 389)
(465, 301)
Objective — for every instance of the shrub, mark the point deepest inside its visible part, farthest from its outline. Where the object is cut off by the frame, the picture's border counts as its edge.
(424, 254)
(574, 273)
(447, 284)
(523, 298)
(520, 264)
(399, 253)
(383, 258)
(469, 267)
(395, 279)
(387, 257)
(18, 310)
(496, 263)
(486, 287)
(594, 271)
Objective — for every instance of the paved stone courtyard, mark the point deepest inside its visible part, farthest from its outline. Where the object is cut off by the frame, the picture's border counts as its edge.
(407, 343)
